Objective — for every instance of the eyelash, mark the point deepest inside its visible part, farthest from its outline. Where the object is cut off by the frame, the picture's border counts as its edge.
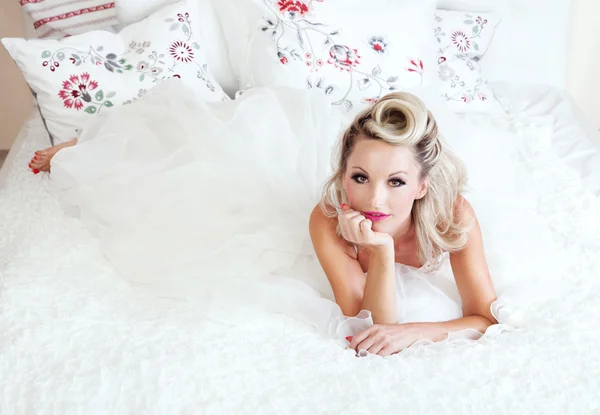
(356, 178)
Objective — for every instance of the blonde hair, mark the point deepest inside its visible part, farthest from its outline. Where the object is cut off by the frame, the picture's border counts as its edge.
(401, 119)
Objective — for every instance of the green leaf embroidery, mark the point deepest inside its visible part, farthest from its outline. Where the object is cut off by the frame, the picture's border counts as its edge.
(174, 26)
(91, 109)
(99, 95)
(60, 56)
(121, 61)
(78, 63)
(142, 76)
(108, 104)
(119, 71)
(111, 94)
(475, 46)
(100, 48)
(468, 22)
(46, 54)
(196, 45)
(186, 29)
(475, 30)
(129, 67)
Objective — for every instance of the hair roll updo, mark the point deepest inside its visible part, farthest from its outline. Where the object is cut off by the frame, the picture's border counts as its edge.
(401, 119)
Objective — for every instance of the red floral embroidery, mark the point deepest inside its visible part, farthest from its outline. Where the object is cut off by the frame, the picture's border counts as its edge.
(343, 57)
(76, 90)
(416, 65)
(378, 44)
(371, 101)
(292, 8)
(461, 41)
(283, 60)
(181, 51)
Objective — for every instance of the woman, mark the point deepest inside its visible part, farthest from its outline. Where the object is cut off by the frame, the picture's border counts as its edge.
(211, 203)
(399, 191)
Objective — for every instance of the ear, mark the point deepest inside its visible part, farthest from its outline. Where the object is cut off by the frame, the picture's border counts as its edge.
(423, 187)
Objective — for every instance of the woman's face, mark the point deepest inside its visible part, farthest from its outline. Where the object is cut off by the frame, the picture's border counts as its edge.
(385, 179)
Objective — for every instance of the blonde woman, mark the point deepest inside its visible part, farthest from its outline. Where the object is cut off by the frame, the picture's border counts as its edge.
(212, 203)
(393, 211)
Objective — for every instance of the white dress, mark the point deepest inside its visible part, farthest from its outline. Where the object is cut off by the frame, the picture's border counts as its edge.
(210, 203)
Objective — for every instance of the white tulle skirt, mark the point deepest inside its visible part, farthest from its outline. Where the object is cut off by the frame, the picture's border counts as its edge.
(210, 203)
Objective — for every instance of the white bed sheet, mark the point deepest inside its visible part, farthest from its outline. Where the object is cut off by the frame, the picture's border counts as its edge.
(74, 338)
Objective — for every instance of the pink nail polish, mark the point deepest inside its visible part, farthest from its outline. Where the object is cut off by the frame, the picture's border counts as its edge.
(349, 338)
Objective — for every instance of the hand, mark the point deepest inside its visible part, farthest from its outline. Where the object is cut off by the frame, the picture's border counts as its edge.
(386, 339)
(359, 230)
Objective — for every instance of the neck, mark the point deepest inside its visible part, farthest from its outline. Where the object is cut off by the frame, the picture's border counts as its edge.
(405, 233)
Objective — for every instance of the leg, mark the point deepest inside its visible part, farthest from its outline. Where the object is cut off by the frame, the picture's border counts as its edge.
(41, 160)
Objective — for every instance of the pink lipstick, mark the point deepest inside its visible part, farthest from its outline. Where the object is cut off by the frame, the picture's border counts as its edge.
(375, 216)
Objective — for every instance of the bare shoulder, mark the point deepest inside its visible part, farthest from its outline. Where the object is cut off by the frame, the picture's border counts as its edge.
(323, 232)
(463, 210)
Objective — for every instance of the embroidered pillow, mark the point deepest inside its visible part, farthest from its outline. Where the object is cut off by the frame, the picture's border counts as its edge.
(59, 18)
(354, 51)
(463, 38)
(86, 75)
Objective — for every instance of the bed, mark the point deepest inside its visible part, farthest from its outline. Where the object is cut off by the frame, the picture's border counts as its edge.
(75, 338)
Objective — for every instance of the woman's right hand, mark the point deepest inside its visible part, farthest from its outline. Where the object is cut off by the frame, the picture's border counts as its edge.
(357, 229)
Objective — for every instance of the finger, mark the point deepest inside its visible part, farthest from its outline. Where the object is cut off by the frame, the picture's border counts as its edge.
(376, 347)
(366, 227)
(387, 351)
(359, 337)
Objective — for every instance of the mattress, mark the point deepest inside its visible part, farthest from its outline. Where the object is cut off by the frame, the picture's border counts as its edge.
(75, 338)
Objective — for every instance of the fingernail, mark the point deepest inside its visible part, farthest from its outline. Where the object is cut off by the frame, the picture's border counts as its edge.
(344, 205)
(349, 338)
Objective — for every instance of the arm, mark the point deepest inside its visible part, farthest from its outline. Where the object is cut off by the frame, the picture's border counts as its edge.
(472, 279)
(474, 285)
(380, 290)
(351, 288)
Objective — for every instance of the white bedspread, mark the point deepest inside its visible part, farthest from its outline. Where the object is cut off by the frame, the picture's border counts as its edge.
(74, 338)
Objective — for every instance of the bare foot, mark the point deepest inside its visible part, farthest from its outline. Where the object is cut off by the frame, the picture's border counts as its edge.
(41, 160)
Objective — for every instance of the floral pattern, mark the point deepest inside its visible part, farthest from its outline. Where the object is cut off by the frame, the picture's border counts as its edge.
(378, 44)
(80, 92)
(77, 92)
(181, 51)
(318, 45)
(292, 8)
(457, 68)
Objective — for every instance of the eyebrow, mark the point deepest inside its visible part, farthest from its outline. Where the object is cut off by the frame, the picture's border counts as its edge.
(398, 172)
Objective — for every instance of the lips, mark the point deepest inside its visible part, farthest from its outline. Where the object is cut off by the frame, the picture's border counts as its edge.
(375, 216)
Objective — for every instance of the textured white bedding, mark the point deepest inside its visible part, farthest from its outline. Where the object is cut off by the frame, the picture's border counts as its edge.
(74, 338)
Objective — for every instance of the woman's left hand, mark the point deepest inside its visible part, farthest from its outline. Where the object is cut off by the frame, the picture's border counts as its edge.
(386, 339)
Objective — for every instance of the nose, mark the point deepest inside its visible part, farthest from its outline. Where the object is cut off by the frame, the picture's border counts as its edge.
(377, 195)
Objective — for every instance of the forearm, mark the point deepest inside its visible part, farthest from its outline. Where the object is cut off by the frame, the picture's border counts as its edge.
(380, 289)
(439, 331)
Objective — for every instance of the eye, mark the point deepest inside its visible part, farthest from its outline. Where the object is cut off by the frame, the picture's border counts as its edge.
(397, 183)
(359, 178)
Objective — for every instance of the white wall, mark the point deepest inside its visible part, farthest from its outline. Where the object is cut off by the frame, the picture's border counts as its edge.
(583, 58)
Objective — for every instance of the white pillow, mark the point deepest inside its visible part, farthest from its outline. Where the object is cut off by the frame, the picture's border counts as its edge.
(86, 75)
(59, 18)
(215, 49)
(462, 39)
(354, 52)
